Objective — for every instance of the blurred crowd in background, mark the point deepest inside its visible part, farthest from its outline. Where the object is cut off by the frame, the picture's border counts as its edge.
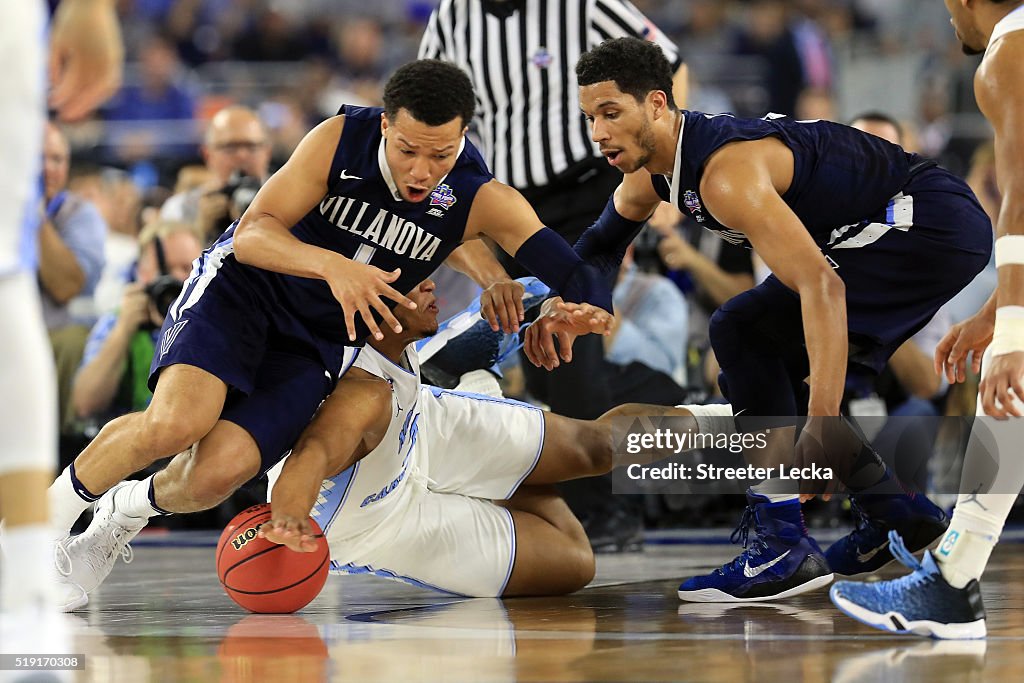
(218, 93)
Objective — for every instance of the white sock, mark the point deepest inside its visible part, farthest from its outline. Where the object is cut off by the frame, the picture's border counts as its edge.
(713, 418)
(993, 474)
(775, 490)
(972, 535)
(133, 500)
(66, 504)
(28, 576)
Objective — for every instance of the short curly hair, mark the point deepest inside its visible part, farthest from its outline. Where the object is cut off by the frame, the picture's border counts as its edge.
(433, 91)
(636, 66)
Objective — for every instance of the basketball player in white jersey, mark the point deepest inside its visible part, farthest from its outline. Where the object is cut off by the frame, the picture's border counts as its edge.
(443, 489)
(85, 67)
(941, 597)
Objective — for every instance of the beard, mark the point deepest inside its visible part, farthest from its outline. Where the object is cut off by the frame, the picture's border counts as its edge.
(645, 141)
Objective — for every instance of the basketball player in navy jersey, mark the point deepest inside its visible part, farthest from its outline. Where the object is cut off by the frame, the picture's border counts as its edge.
(941, 597)
(370, 203)
(865, 243)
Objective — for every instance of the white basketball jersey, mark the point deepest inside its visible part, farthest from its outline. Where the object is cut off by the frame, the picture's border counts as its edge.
(375, 485)
(1014, 21)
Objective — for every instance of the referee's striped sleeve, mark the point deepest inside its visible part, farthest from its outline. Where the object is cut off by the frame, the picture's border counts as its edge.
(432, 45)
(620, 19)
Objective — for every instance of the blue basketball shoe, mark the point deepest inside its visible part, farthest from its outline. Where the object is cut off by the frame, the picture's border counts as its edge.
(781, 561)
(866, 549)
(921, 602)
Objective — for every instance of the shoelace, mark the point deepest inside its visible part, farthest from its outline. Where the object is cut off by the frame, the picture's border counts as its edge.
(127, 554)
(862, 524)
(61, 558)
(900, 586)
(741, 534)
(900, 552)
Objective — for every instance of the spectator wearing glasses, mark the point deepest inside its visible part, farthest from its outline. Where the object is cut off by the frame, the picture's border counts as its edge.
(237, 155)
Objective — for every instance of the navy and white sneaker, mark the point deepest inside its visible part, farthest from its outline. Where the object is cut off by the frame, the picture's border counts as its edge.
(921, 602)
(866, 549)
(781, 561)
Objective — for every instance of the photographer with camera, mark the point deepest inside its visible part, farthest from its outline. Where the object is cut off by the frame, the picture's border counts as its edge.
(237, 154)
(111, 380)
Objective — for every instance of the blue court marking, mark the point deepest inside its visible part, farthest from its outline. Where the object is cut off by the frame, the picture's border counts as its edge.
(350, 568)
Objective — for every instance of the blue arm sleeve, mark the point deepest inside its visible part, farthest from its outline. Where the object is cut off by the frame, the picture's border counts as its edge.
(604, 244)
(554, 262)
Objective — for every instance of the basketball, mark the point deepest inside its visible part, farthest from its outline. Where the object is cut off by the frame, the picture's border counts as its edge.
(265, 577)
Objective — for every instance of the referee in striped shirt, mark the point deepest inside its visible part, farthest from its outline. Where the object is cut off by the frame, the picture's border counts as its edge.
(521, 56)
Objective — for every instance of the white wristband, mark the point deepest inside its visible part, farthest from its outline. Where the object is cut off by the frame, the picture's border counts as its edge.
(1010, 250)
(1009, 331)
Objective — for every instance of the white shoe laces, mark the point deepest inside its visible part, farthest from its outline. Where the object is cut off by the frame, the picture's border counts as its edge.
(127, 554)
(61, 559)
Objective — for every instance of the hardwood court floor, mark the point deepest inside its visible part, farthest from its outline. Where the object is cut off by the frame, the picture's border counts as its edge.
(165, 618)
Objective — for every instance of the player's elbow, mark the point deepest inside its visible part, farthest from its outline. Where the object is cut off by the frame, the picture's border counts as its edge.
(244, 241)
(823, 283)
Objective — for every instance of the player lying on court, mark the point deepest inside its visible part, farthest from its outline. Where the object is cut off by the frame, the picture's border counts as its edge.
(369, 204)
(438, 488)
(865, 242)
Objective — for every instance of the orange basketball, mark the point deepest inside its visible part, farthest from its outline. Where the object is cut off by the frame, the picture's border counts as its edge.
(265, 577)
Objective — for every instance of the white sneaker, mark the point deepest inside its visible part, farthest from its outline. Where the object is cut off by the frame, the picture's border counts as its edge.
(94, 551)
(70, 596)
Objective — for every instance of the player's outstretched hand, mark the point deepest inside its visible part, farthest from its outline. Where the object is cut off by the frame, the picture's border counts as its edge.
(1002, 390)
(293, 532)
(972, 336)
(565, 322)
(358, 287)
(501, 305)
(587, 318)
(86, 57)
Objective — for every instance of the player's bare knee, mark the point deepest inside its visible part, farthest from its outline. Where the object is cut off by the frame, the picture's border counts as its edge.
(211, 486)
(167, 433)
(578, 568)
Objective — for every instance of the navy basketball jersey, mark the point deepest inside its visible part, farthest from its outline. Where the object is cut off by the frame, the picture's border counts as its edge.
(840, 175)
(364, 218)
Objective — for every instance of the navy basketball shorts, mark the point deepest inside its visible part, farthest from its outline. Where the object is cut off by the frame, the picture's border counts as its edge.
(219, 325)
(899, 267)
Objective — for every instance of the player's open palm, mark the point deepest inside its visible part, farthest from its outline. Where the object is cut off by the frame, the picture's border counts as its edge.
(294, 532)
(501, 305)
(360, 289)
(1002, 386)
(968, 338)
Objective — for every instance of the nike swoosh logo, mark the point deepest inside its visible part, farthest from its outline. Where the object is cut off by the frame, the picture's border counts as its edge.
(751, 572)
(864, 557)
(346, 176)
